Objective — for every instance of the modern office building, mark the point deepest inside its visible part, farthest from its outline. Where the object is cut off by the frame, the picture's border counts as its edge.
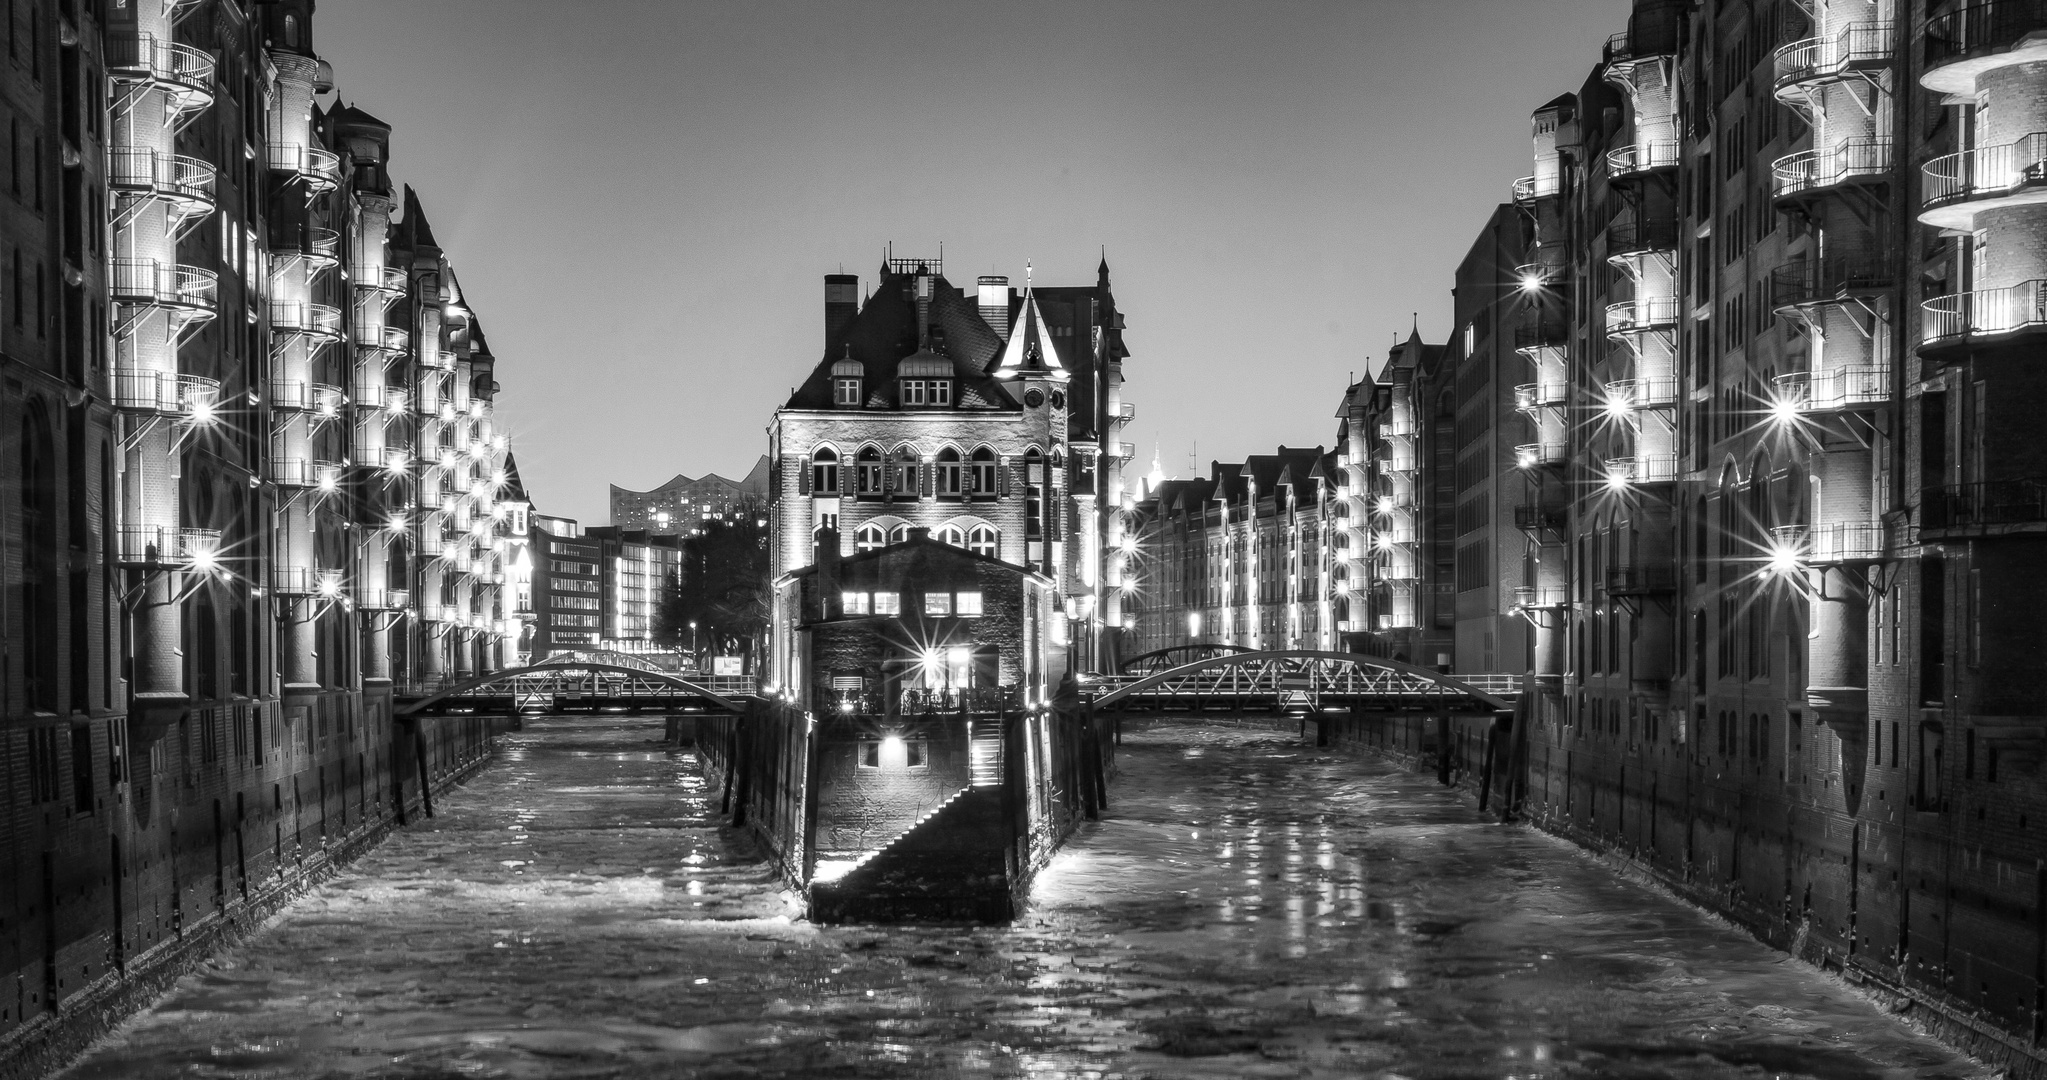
(250, 483)
(683, 504)
(641, 570)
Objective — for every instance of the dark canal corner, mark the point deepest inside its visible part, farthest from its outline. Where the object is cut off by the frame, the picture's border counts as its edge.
(1249, 905)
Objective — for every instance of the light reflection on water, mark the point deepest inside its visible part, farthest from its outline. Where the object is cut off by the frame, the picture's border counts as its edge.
(1250, 907)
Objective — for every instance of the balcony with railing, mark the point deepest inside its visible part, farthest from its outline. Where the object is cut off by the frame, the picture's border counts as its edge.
(1863, 46)
(382, 599)
(1832, 280)
(1126, 412)
(317, 246)
(436, 359)
(183, 72)
(1541, 273)
(1957, 319)
(319, 169)
(1641, 315)
(305, 581)
(1990, 507)
(1402, 569)
(188, 289)
(1647, 579)
(1962, 43)
(1643, 469)
(1539, 333)
(1835, 389)
(1635, 235)
(388, 280)
(1541, 454)
(1529, 397)
(1541, 597)
(300, 317)
(1811, 173)
(1530, 517)
(1396, 427)
(1640, 159)
(168, 546)
(1832, 543)
(1956, 187)
(1528, 189)
(1656, 392)
(392, 339)
(150, 173)
(1652, 33)
(165, 393)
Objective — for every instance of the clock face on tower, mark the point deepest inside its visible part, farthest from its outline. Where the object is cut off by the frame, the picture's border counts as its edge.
(1034, 398)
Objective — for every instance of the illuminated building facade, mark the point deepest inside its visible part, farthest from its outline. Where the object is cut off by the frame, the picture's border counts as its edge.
(250, 481)
(990, 418)
(683, 503)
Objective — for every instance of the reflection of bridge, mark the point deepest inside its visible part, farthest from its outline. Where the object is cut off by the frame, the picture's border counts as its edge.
(1302, 681)
(585, 682)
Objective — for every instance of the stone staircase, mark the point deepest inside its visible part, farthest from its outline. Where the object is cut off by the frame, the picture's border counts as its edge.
(985, 751)
(948, 867)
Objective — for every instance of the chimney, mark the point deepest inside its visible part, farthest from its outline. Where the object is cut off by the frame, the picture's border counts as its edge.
(841, 302)
(995, 303)
(925, 284)
(919, 533)
(824, 554)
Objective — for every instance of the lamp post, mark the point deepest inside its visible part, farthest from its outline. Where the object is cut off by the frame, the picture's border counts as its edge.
(693, 656)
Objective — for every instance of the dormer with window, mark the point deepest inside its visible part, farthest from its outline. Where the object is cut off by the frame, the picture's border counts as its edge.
(849, 382)
(925, 382)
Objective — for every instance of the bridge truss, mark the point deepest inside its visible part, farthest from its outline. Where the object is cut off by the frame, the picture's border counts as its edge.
(576, 682)
(1300, 680)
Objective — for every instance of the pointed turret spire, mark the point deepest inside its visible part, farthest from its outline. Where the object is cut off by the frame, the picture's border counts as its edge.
(1030, 350)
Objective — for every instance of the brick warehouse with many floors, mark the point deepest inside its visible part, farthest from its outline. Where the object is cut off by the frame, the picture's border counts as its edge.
(250, 487)
(1733, 449)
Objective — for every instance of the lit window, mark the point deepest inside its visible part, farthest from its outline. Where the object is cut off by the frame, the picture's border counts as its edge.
(888, 603)
(983, 541)
(824, 473)
(869, 463)
(950, 476)
(937, 603)
(853, 603)
(983, 479)
(869, 537)
(953, 535)
(966, 603)
(845, 391)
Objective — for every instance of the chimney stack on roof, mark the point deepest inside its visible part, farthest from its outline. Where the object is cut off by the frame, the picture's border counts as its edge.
(995, 303)
(841, 303)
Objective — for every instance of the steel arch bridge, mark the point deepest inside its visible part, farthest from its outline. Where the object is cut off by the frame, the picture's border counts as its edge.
(1303, 680)
(1175, 655)
(582, 682)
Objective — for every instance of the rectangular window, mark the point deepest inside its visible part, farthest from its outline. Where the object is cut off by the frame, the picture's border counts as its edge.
(845, 391)
(870, 753)
(888, 603)
(966, 603)
(937, 603)
(853, 603)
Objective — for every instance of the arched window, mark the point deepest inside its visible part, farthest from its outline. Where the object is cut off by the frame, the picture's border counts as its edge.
(868, 465)
(983, 468)
(899, 534)
(291, 31)
(951, 534)
(824, 471)
(869, 537)
(902, 481)
(1034, 494)
(984, 540)
(949, 477)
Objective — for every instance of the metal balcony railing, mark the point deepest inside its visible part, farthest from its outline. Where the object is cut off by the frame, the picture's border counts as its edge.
(1643, 580)
(1126, 412)
(436, 359)
(1536, 454)
(182, 70)
(1657, 392)
(146, 281)
(305, 581)
(321, 168)
(1398, 570)
(1638, 158)
(1641, 315)
(1393, 532)
(397, 401)
(1533, 274)
(1833, 542)
(290, 472)
(1986, 311)
(1541, 596)
(1866, 44)
(167, 546)
(1984, 172)
(172, 176)
(1541, 186)
(314, 244)
(1981, 28)
(1396, 428)
(1540, 395)
(387, 338)
(165, 393)
(1814, 170)
(1540, 333)
(1834, 278)
(1532, 518)
(2020, 501)
(1636, 235)
(1835, 389)
(300, 317)
(382, 599)
(1643, 468)
(384, 279)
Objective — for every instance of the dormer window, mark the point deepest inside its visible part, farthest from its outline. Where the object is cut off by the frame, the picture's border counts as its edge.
(846, 392)
(927, 392)
(849, 381)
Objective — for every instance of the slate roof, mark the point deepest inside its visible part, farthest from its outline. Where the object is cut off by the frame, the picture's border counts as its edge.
(884, 332)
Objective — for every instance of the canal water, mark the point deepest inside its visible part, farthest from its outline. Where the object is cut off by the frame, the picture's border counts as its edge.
(1251, 907)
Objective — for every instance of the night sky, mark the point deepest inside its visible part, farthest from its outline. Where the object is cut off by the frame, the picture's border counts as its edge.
(641, 199)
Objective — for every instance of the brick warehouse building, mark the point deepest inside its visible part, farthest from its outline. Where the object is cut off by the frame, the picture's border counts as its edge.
(1774, 298)
(993, 420)
(249, 485)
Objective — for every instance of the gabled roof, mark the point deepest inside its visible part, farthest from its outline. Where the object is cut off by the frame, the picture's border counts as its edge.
(885, 332)
(420, 233)
(515, 488)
